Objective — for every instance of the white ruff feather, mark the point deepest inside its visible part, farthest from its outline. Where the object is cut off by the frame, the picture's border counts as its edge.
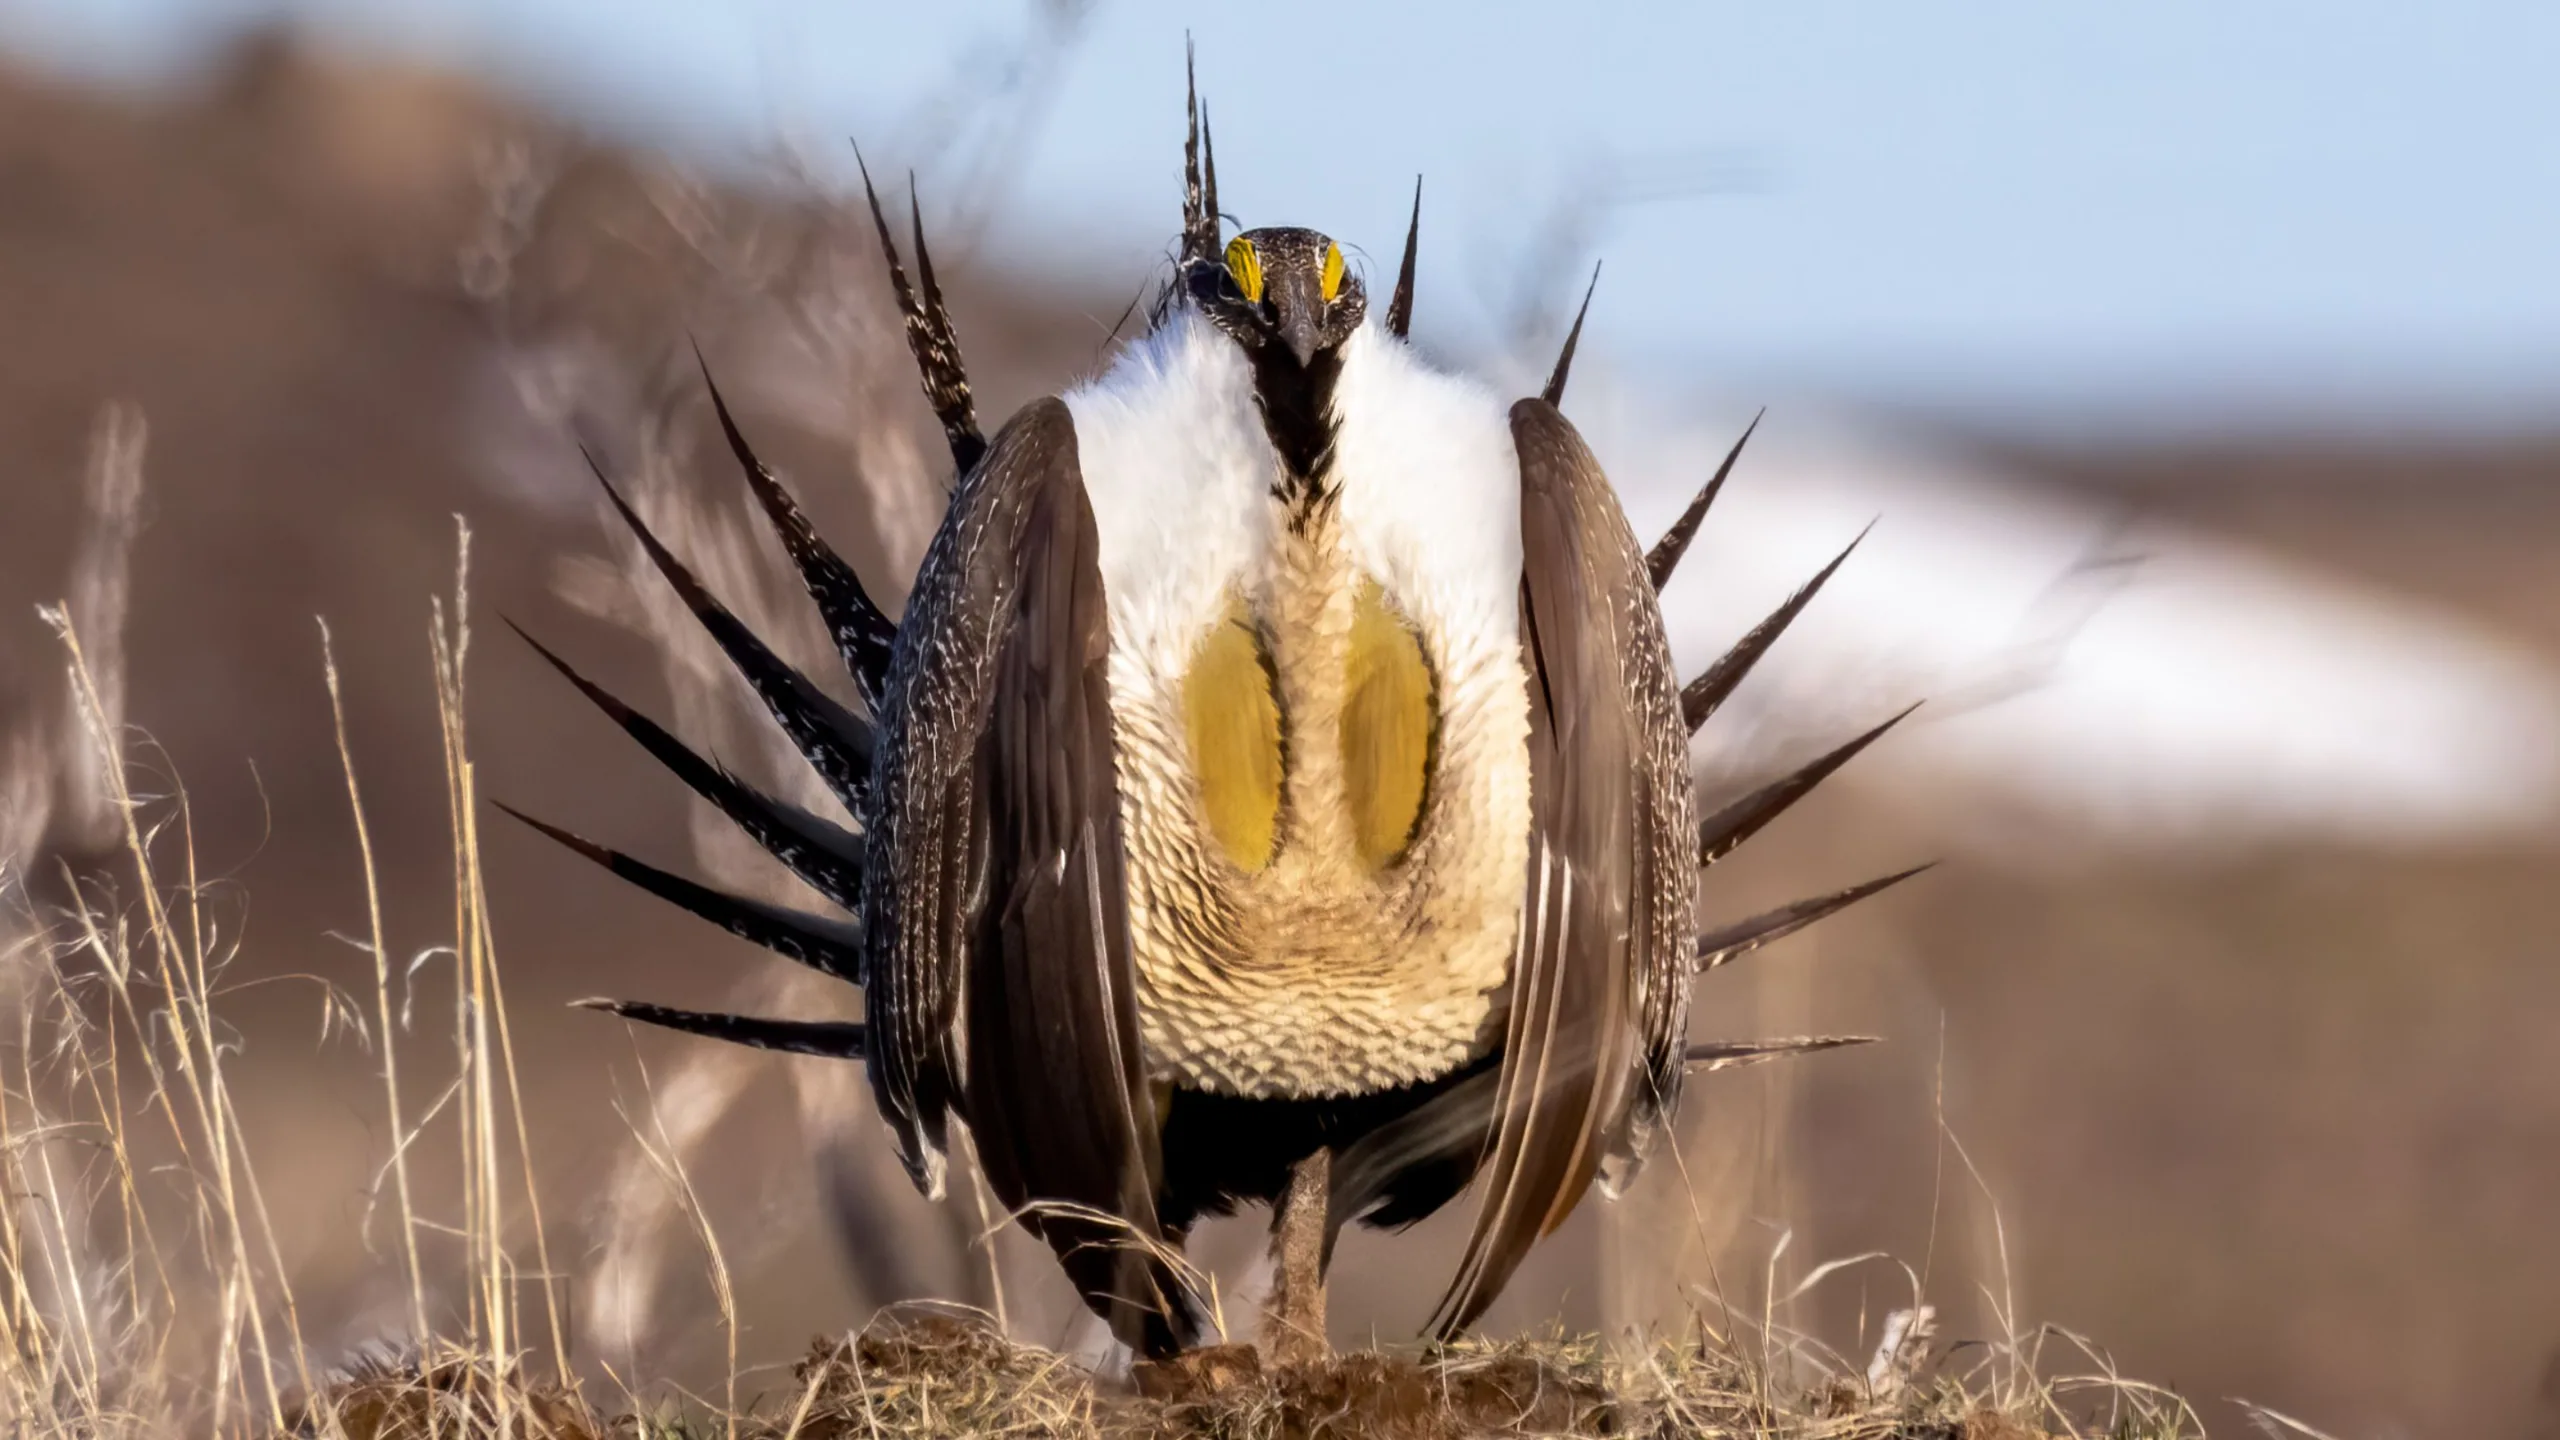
(1430, 490)
(1178, 471)
(1311, 977)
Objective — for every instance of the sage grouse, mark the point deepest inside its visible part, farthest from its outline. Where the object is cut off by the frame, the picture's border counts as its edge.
(1276, 790)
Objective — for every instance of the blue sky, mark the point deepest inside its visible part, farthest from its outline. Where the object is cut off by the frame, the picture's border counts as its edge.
(2173, 212)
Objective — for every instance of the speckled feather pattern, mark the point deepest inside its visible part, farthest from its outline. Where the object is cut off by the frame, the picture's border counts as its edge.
(1668, 806)
(1314, 976)
(1602, 973)
(923, 880)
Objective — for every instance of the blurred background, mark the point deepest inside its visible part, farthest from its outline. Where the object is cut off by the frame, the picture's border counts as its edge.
(2199, 366)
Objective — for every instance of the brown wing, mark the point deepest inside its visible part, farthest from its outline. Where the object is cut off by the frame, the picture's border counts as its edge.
(996, 904)
(1599, 981)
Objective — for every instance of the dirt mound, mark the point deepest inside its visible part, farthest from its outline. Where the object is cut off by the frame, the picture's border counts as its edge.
(941, 1377)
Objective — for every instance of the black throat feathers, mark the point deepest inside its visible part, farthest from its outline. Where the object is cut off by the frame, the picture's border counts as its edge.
(1297, 413)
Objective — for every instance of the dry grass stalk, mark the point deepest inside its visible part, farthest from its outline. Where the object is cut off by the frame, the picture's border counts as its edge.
(115, 1081)
(947, 1374)
(661, 1154)
(381, 996)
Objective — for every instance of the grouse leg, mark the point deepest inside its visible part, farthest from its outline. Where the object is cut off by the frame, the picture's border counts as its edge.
(1293, 1320)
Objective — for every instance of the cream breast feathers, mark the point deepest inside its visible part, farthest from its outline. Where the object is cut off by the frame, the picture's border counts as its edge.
(1306, 971)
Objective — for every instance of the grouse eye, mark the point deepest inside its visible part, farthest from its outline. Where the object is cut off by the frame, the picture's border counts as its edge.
(1245, 268)
(1332, 277)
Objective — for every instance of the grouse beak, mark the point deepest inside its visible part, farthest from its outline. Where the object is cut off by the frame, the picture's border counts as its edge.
(1299, 309)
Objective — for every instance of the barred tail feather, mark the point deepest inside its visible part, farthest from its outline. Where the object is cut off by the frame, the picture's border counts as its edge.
(1199, 196)
(821, 852)
(836, 742)
(946, 376)
(831, 947)
(862, 631)
(929, 334)
(834, 1040)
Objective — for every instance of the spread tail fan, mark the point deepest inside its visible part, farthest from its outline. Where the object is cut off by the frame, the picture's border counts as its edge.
(837, 743)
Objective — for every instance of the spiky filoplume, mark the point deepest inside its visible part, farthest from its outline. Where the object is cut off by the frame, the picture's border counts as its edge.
(1001, 912)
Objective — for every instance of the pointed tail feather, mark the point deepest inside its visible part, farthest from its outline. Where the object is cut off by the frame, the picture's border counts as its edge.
(1665, 555)
(834, 1040)
(1734, 941)
(1209, 181)
(862, 632)
(1734, 1054)
(1199, 199)
(816, 849)
(1400, 306)
(946, 375)
(832, 947)
(1554, 393)
(929, 340)
(1739, 821)
(835, 741)
(910, 313)
(1700, 698)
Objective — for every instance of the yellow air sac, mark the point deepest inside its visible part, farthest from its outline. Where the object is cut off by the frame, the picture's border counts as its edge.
(1386, 729)
(1234, 724)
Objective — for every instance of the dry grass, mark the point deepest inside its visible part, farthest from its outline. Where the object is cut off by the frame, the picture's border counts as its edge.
(143, 1291)
(940, 1375)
